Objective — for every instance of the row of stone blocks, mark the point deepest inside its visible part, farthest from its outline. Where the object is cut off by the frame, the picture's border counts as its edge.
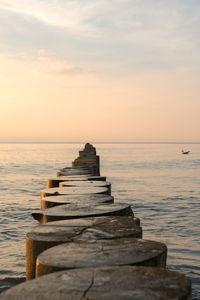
(88, 247)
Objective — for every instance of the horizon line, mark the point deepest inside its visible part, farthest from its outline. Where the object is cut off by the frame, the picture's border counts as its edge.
(94, 142)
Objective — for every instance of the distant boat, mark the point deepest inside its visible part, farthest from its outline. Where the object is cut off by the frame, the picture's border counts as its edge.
(185, 152)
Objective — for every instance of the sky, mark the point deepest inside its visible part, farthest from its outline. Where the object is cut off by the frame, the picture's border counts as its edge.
(97, 70)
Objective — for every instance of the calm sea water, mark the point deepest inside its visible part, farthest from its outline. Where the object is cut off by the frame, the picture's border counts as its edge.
(161, 184)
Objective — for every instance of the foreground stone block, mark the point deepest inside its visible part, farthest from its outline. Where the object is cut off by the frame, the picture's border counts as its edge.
(76, 190)
(99, 253)
(51, 234)
(108, 283)
(91, 199)
(54, 182)
(73, 211)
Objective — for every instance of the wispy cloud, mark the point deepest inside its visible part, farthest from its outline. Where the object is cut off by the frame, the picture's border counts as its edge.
(47, 63)
(130, 34)
(58, 67)
(129, 15)
(68, 14)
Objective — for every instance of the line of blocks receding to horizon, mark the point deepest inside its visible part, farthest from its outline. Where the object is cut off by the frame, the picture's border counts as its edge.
(89, 247)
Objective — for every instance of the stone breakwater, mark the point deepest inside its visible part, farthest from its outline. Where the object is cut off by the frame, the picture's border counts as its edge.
(89, 246)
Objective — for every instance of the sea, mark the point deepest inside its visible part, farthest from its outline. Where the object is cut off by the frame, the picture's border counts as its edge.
(160, 183)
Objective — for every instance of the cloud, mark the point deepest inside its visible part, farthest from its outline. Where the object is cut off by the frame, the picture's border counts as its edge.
(44, 69)
(100, 16)
(67, 14)
(47, 63)
(123, 34)
(58, 67)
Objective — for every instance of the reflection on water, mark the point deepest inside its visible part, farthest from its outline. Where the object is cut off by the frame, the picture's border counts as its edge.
(160, 183)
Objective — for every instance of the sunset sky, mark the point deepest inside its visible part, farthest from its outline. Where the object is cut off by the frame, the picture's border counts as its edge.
(98, 70)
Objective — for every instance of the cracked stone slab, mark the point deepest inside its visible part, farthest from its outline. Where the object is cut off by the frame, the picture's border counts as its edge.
(72, 211)
(99, 253)
(108, 283)
(52, 201)
(54, 182)
(51, 234)
(75, 190)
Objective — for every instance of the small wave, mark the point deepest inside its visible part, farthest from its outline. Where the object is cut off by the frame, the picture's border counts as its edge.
(9, 282)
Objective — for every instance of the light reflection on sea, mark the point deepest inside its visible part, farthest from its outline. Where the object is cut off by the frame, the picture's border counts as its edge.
(160, 183)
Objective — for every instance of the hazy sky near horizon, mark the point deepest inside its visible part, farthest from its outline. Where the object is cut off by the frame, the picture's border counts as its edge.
(96, 70)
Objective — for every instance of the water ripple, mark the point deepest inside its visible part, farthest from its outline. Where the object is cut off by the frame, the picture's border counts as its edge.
(159, 183)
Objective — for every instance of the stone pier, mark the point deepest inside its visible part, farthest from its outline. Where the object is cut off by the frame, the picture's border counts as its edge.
(89, 159)
(43, 237)
(89, 246)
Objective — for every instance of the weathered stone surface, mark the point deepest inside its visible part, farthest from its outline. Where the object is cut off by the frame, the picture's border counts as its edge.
(89, 159)
(128, 225)
(76, 190)
(83, 176)
(84, 183)
(73, 171)
(91, 162)
(99, 253)
(51, 234)
(88, 183)
(97, 178)
(72, 211)
(137, 221)
(54, 182)
(89, 148)
(77, 167)
(108, 283)
(52, 201)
